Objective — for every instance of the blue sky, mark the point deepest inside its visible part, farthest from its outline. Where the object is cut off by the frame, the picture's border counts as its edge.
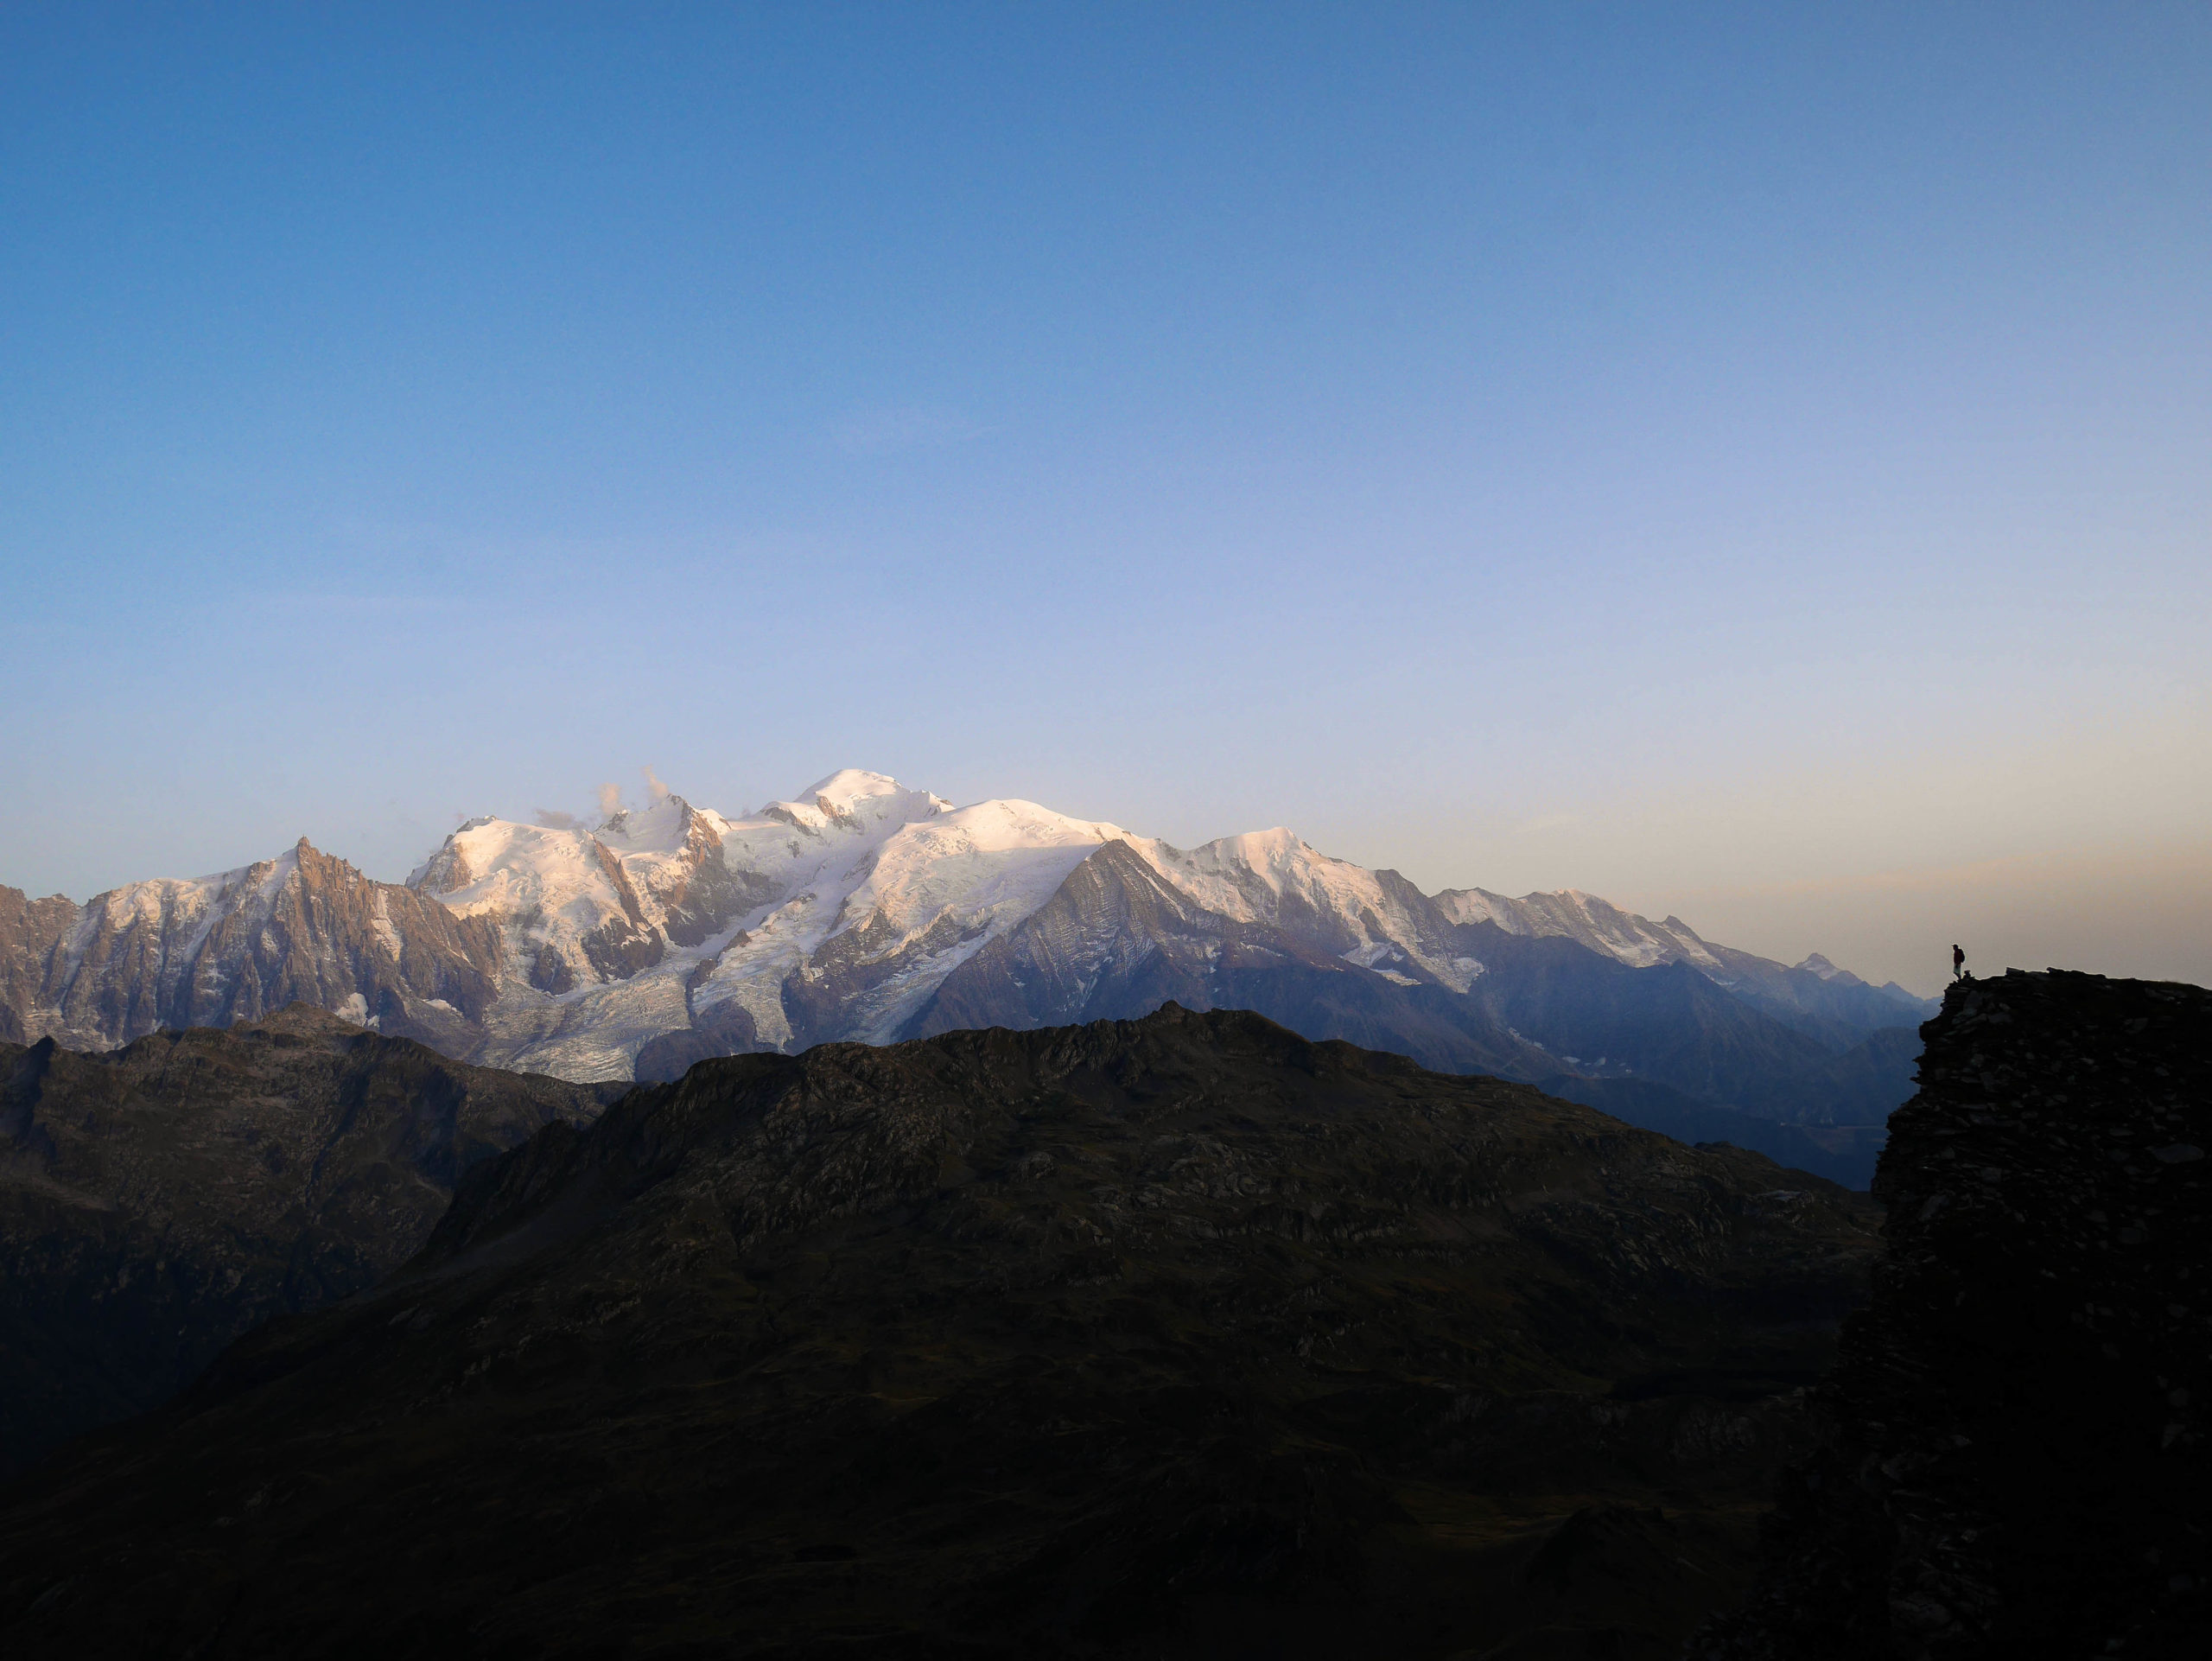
(1750, 461)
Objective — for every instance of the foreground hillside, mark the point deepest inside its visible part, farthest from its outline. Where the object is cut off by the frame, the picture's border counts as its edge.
(2015, 1459)
(1181, 1336)
(158, 1200)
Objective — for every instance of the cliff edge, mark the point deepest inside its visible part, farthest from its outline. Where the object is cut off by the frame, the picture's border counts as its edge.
(2015, 1460)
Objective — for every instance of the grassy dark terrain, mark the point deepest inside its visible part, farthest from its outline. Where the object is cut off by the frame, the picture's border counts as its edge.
(1174, 1337)
(158, 1200)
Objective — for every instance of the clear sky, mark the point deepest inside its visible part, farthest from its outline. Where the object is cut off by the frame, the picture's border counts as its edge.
(1755, 462)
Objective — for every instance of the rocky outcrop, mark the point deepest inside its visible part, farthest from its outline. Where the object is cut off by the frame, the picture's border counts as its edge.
(2016, 1459)
(624, 945)
(853, 971)
(1180, 1336)
(723, 1029)
(693, 890)
(158, 1200)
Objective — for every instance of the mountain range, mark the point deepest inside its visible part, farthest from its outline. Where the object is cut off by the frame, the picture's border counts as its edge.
(865, 911)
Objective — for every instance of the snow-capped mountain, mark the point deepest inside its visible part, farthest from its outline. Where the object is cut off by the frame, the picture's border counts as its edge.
(867, 911)
(1812, 990)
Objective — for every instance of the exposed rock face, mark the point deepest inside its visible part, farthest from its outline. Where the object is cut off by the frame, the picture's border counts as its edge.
(726, 1029)
(2015, 1460)
(1179, 1337)
(301, 928)
(157, 1200)
(33, 933)
(692, 887)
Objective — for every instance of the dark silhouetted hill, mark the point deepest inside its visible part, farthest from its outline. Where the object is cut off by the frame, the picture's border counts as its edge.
(158, 1200)
(1175, 1337)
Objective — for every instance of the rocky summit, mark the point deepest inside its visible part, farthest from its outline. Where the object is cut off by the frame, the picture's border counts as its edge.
(2014, 1460)
(1174, 1337)
(158, 1200)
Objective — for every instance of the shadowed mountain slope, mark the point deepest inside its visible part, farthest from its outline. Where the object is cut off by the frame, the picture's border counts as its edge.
(1176, 1337)
(1118, 939)
(157, 1200)
(2015, 1459)
(1844, 1154)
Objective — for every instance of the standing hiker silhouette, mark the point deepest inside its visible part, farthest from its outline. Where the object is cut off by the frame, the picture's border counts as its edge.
(1958, 963)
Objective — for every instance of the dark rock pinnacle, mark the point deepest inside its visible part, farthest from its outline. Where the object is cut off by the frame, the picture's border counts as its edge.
(2015, 1460)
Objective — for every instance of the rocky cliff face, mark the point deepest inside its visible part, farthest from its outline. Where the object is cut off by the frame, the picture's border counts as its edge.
(1179, 1337)
(158, 1200)
(301, 928)
(34, 934)
(2016, 1459)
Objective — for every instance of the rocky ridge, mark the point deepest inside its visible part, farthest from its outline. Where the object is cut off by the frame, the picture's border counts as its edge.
(304, 927)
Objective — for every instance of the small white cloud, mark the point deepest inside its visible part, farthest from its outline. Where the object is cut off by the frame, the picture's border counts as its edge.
(554, 819)
(610, 799)
(653, 784)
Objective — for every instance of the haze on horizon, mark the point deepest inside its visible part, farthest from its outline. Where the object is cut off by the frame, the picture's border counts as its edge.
(1748, 464)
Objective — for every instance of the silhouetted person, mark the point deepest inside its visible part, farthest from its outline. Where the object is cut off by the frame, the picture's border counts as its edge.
(1958, 963)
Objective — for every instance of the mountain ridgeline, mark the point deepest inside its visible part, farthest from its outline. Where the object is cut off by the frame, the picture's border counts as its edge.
(868, 912)
(1179, 1337)
(873, 913)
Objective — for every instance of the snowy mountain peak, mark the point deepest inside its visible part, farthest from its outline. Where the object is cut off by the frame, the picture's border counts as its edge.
(851, 793)
(1821, 969)
(662, 828)
(841, 913)
(1596, 923)
(854, 802)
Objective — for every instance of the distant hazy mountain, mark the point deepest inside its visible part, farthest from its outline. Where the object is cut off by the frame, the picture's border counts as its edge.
(866, 911)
